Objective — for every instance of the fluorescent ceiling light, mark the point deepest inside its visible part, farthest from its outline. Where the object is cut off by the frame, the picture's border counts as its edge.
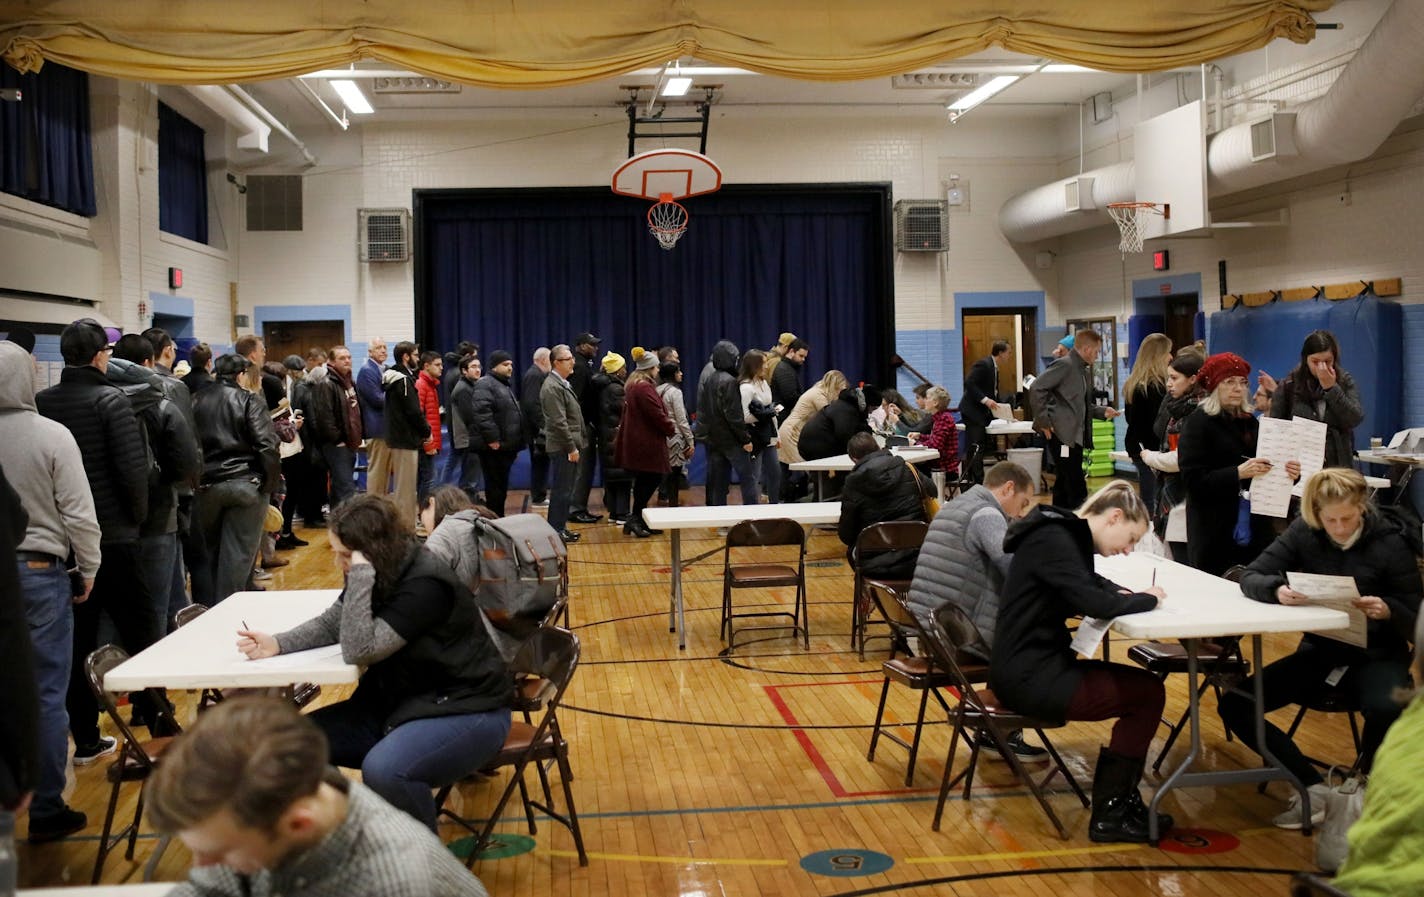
(696, 70)
(978, 95)
(677, 86)
(352, 96)
(1058, 68)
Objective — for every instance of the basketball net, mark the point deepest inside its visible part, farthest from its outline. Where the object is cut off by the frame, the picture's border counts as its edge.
(667, 220)
(1130, 217)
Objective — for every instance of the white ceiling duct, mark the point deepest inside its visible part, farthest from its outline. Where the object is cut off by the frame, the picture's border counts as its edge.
(1373, 93)
(252, 130)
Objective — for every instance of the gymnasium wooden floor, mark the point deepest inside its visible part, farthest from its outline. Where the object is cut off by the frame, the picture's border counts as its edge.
(698, 774)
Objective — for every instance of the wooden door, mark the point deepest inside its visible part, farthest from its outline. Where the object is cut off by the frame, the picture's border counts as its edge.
(1180, 325)
(980, 333)
(285, 338)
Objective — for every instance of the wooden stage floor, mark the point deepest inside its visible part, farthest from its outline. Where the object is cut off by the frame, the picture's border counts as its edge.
(701, 774)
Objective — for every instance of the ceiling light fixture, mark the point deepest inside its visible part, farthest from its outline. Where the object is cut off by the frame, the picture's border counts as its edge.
(352, 96)
(978, 95)
(677, 85)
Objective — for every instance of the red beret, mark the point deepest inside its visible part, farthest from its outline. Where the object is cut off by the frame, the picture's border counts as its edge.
(1221, 366)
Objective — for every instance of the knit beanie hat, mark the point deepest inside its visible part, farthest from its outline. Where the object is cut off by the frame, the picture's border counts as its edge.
(613, 362)
(643, 360)
(1221, 366)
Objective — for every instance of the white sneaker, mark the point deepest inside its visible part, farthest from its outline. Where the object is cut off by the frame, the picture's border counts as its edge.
(1290, 817)
(261, 575)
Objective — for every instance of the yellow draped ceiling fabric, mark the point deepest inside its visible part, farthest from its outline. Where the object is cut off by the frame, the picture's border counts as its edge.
(549, 43)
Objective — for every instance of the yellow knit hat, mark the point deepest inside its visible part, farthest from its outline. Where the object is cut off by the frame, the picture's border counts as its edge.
(786, 339)
(613, 362)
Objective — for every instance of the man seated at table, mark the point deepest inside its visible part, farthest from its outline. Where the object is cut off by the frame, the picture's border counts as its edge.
(963, 561)
(251, 792)
(880, 488)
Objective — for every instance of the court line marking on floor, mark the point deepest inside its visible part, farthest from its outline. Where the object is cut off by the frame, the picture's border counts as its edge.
(676, 861)
(1070, 870)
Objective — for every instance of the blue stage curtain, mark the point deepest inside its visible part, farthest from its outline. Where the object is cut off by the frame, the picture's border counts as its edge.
(182, 177)
(515, 270)
(44, 138)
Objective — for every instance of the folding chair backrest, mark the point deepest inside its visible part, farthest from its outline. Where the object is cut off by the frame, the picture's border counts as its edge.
(944, 632)
(893, 608)
(96, 666)
(891, 535)
(550, 654)
(189, 614)
(776, 531)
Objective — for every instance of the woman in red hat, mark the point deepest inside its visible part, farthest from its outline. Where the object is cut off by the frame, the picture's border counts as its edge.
(1217, 453)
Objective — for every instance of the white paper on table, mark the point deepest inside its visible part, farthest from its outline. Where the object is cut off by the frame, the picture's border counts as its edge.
(1004, 412)
(300, 659)
(1337, 592)
(1090, 635)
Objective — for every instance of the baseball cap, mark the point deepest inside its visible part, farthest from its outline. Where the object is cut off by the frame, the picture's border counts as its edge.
(586, 338)
(81, 341)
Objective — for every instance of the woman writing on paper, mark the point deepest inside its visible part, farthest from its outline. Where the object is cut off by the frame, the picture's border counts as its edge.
(433, 705)
(1319, 389)
(1339, 533)
(1033, 669)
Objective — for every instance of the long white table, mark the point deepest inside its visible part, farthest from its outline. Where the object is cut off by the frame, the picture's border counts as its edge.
(1375, 483)
(675, 520)
(145, 890)
(1200, 606)
(203, 654)
(910, 453)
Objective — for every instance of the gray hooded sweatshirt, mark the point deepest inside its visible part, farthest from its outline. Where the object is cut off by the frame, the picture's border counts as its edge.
(43, 464)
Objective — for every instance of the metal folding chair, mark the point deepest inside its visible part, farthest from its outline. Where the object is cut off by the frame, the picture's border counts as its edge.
(759, 534)
(892, 535)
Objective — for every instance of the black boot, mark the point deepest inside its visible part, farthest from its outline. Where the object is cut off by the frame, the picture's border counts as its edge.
(1115, 814)
(1139, 806)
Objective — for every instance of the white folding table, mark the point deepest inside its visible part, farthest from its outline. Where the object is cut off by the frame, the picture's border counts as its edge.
(841, 463)
(675, 520)
(203, 654)
(157, 889)
(1200, 606)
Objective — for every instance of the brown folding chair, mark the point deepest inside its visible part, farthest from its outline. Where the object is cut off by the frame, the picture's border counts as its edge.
(945, 632)
(891, 535)
(1305, 884)
(916, 673)
(549, 657)
(136, 760)
(763, 534)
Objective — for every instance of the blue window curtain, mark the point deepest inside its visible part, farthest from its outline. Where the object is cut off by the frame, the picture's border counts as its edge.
(45, 154)
(182, 177)
(516, 270)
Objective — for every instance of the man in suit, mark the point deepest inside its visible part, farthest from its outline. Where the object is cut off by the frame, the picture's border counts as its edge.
(1061, 410)
(978, 404)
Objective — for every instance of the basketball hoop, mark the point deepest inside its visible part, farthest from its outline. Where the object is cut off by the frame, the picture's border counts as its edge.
(667, 220)
(1130, 217)
(666, 176)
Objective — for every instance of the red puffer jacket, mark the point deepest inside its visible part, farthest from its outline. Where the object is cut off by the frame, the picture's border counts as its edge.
(428, 388)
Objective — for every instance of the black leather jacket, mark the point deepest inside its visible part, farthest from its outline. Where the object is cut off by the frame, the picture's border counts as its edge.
(237, 434)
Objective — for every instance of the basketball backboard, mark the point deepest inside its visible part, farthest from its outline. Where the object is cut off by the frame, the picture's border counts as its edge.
(1169, 166)
(672, 173)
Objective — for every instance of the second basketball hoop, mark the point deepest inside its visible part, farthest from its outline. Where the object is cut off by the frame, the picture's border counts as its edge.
(666, 176)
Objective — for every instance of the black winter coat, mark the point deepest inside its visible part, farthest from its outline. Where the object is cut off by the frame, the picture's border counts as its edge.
(880, 488)
(1142, 418)
(177, 460)
(786, 387)
(326, 410)
(610, 413)
(497, 415)
(719, 402)
(1210, 449)
(1382, 563)
(406, 426)
(238, 439)
(829, 431)
(116, 460)
(1032, 667)
(532, 408)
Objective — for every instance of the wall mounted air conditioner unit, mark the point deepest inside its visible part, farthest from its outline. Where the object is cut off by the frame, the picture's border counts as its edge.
(922, 225)
(383, 235)
(1273, 136)
(1078, 195)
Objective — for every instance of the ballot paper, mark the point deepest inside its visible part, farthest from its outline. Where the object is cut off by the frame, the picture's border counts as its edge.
(1090, 635)
(1338, 592)
(1004, 412)
(300, 659)
(1279, 441)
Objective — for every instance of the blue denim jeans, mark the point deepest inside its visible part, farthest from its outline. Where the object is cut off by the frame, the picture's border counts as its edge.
(425, 476)
(50, 613)
(157, 557)
(719, 476)
(770, 464)
(407, 763)
(341, 461)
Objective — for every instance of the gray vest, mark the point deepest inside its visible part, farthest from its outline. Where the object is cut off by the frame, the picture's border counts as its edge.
(948, 571)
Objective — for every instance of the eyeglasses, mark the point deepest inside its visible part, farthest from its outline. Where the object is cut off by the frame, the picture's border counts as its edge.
(564, 358)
